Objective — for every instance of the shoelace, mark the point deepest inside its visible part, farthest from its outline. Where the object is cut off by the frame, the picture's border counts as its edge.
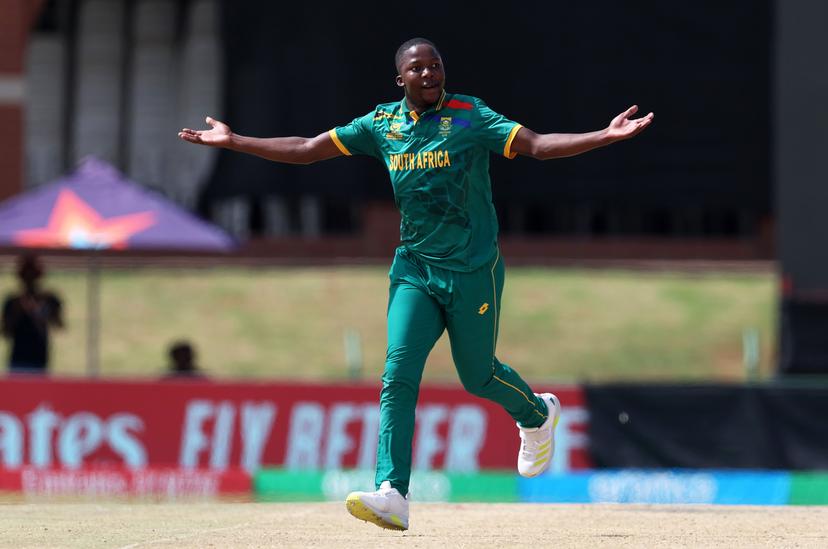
(386, 492)
(530, 441)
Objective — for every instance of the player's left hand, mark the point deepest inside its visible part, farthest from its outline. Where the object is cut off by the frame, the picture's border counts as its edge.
(624, 127)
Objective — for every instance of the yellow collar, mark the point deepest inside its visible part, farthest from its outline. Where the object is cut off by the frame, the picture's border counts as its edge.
(414, 114)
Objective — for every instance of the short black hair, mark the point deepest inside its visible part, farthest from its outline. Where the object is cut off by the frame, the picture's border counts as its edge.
(181, 346)
(410, 44)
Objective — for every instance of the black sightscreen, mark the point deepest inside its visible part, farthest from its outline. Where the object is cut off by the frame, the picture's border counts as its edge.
(703, 67)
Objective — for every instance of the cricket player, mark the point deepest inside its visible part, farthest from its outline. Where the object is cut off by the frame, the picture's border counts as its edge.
(447, 273)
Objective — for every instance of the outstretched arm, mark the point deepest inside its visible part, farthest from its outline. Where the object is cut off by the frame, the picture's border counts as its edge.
(293, 150)
(559, 145)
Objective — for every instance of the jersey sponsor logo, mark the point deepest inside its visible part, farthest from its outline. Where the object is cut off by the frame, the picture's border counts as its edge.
(422, 160)
(483, 308)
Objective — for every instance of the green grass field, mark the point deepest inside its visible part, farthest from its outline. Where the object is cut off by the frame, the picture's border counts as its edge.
(557, 325)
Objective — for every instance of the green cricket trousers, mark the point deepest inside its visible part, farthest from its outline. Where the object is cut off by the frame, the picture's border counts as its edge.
(423, 301)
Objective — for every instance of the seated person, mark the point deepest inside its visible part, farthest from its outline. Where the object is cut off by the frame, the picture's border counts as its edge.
(182, 361)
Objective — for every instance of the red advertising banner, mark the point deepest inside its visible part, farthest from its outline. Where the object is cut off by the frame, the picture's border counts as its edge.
(69, 424)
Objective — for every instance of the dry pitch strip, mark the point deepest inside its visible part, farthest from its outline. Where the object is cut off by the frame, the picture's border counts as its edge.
(180, 525)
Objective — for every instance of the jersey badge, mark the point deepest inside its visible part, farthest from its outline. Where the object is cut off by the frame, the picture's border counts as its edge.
(445, 125)
(394, 134)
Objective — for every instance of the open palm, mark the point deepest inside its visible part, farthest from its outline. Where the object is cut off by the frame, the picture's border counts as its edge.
(217, 136)
(624, 127)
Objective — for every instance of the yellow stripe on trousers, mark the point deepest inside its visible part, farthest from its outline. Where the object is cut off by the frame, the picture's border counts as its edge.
(530, 401)
(494, 302)
(494, 338)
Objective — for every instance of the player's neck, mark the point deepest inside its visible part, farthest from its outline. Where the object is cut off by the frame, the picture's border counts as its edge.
(419, 108)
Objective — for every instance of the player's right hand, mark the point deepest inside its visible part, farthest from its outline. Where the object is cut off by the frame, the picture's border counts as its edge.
(217, 136)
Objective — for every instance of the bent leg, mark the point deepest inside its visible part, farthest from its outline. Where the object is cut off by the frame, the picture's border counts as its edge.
(472, 323)
(415, 323)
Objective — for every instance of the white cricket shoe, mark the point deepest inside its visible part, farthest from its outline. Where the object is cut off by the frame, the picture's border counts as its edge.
(537, 444)
(386, 507)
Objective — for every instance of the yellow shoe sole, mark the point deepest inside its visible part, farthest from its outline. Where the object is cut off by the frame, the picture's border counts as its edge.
(363, 512)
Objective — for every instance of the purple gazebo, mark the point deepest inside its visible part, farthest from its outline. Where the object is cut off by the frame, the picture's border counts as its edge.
(98, 208)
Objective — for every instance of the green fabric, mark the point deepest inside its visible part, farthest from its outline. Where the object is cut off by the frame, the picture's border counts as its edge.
(438, 163)
(447, 274)
(425, 300)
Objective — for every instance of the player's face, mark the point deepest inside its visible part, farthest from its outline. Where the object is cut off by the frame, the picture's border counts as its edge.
(422, 75)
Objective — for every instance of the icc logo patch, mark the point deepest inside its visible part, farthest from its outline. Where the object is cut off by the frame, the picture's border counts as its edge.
(445, 125)
(395, 131)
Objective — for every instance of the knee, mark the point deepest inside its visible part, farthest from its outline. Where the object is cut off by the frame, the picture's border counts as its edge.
(397, 378)
(476, 390)
(393, 384)
(476, 384)
(474, 370)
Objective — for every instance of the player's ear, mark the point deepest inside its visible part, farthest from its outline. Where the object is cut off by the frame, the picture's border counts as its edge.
(399, 81)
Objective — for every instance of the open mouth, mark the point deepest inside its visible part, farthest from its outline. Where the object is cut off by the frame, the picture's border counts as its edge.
(430, 85)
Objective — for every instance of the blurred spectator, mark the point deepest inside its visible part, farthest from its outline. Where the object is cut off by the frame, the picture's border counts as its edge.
(183, 361)
(28, 317)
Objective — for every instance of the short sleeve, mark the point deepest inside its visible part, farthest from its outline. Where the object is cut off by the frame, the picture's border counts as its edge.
(356, 137)
(494, 131)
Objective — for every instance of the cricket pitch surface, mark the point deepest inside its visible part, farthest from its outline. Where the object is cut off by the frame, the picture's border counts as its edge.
(180, 525)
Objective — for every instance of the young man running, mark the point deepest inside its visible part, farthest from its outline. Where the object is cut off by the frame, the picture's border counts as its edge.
(447, 273)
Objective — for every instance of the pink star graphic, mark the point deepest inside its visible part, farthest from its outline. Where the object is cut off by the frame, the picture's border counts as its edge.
(75, 224)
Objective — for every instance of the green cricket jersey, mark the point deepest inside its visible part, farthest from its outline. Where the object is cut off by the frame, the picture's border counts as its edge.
(438, 162)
